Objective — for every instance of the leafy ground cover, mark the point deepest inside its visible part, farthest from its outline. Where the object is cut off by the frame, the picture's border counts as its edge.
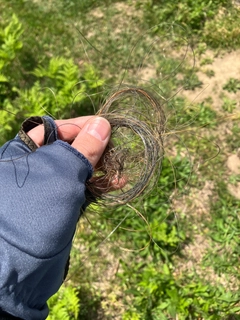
(181, 261)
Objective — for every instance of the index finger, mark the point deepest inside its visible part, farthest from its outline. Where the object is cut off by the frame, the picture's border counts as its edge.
(70, 128)
(67, 129)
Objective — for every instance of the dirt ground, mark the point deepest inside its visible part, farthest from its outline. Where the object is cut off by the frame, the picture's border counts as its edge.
(224, 66)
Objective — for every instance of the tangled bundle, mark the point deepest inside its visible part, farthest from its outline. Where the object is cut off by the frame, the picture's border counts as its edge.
(135, 151)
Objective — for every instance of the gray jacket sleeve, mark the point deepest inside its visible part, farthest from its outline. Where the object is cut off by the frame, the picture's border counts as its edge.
(41, 194)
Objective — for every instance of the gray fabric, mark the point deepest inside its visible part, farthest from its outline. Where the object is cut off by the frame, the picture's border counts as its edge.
(41, 194)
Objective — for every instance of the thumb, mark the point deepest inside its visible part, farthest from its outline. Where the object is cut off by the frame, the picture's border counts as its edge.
(93, 139)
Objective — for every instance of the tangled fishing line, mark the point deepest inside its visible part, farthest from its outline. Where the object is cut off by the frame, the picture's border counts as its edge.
(135, 151)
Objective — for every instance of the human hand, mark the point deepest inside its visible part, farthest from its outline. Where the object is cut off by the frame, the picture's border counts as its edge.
(42, 193)
(89, 135)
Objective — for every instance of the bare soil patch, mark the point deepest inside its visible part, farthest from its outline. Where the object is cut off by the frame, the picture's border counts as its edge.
(224, 67)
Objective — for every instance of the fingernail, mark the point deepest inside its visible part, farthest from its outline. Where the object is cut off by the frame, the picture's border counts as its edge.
(99, 128)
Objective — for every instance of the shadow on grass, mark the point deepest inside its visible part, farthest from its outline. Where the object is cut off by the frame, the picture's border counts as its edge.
(233, 317)
(90, 307)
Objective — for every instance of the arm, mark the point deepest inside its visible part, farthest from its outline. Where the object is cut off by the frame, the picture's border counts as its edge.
(42, 193)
